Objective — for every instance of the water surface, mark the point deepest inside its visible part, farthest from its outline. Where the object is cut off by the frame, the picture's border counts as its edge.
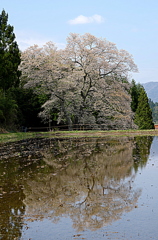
(79, 189)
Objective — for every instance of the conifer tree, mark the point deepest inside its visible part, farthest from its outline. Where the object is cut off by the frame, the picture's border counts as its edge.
(9, 55)
(143, 115)
(135, 92)
(134, 96)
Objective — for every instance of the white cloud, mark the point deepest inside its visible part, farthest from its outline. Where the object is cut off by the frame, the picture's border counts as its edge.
(84, 20)
(27, 42)
(27, 39)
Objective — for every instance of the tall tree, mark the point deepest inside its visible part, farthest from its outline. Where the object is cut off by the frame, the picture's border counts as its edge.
(85, 81)
(9, 55)
(143, 115)
(134, 95)
(135, 92)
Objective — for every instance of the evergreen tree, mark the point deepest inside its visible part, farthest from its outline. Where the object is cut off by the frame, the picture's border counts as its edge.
(143, 115)
(134, 96)
(135, 92)
(9, 55)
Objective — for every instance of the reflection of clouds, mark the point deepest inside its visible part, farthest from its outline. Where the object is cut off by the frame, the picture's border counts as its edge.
(91, 182)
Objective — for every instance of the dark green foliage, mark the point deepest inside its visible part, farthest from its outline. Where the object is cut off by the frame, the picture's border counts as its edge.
(8, 110)
(140, 106)
(134, 96)
(143, 115)
(141, 151)
(135, 92)
(29, 105)
(9, 73)
(9, 55)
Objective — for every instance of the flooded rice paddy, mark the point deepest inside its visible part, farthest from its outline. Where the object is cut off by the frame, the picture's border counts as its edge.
(88, 188)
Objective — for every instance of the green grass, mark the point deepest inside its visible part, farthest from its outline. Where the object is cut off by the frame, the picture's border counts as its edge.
(7, 137)
(4, 137)
(10, 137)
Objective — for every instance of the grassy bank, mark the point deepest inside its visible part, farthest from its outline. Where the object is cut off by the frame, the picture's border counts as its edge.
(7, 137)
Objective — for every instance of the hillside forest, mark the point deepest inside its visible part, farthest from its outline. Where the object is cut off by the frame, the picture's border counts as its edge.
(86, 85)
(154, 109)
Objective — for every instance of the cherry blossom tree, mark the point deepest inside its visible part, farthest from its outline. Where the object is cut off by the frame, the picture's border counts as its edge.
(86, 82)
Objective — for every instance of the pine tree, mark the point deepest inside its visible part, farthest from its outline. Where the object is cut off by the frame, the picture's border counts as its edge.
(9, 55)
(143, 115)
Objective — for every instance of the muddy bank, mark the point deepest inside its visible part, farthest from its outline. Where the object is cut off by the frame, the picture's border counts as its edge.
(32, 148)
(28, 148)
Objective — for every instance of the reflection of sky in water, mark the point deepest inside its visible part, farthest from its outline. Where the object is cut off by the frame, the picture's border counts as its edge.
(46, 230)
(140, 223)
(154, 149)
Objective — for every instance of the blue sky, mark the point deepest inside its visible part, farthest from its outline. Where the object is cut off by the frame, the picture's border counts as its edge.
(131, 25)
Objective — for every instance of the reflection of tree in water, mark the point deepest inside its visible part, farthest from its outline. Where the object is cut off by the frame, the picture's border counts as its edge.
(11, 212)
(12, 207)
(141, 151)
(89, 181)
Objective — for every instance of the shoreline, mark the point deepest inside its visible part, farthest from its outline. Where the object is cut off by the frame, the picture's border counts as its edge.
(10, 137)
